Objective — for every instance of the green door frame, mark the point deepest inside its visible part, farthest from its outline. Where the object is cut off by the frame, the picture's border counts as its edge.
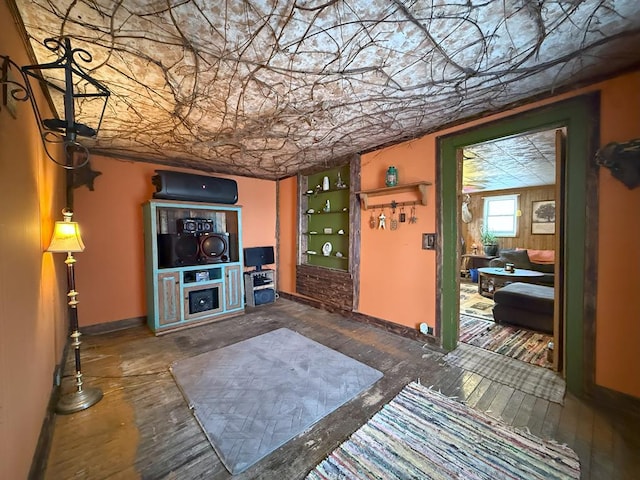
(580, 116)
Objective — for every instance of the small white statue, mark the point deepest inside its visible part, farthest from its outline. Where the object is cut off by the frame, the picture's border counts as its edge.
(381, 221)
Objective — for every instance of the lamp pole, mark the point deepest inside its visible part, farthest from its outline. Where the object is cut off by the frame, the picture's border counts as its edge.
(83, 397)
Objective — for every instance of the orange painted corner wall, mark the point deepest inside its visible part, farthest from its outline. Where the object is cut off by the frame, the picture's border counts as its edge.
(397, 280)
(110, 272)
(618, 302)
(287, 234)
(33, 320)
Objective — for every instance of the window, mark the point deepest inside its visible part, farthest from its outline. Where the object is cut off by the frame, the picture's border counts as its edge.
(501, 215)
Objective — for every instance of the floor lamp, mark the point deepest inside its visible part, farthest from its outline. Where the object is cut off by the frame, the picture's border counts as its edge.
(66, 239)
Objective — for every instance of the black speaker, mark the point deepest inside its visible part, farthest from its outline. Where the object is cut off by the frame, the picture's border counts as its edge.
(177, 250)
(266, 295)
(194, 225)
(203, 300)
(195, 188)
(214, 247)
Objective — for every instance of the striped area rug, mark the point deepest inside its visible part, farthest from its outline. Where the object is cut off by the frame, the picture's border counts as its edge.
(519, 343)
(423, 434)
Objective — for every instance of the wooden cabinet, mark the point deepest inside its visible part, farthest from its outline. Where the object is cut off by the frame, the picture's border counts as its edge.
(325, 219)
(168, 298)
(233, 287)
(193, 263)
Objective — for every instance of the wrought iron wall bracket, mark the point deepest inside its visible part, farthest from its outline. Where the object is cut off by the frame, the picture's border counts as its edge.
(77, 85)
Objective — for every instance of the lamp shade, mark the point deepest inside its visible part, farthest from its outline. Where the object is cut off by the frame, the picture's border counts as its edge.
(66, 236)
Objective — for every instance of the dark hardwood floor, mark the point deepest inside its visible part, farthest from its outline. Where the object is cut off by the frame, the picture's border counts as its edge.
(143, 428)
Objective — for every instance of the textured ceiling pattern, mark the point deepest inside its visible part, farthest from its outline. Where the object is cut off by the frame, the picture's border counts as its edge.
(267, 88)
(527, 160)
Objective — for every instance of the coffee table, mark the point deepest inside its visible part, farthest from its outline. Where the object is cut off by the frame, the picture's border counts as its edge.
(492, 278)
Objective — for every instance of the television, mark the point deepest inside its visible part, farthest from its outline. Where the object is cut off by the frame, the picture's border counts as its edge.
(258, 256)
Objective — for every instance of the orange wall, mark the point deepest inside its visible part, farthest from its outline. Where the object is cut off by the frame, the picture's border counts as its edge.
(32, 282)
(287, 235)
(396, 275)
(618, 302)
(398, 278)
(110, 272)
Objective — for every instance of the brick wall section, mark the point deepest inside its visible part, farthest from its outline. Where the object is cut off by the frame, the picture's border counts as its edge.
(329, 286)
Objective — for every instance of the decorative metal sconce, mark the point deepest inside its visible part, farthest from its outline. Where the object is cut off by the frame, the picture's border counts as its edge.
(80, 93)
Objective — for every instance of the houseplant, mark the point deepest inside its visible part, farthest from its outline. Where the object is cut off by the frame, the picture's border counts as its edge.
(489, 242)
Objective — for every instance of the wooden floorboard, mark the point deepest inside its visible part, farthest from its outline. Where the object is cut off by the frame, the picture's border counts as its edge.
(144, 429)
(500, 401)
(511, 409)
(538, 413)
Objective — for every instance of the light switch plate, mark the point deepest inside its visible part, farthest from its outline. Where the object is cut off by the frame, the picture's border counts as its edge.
(428, 241)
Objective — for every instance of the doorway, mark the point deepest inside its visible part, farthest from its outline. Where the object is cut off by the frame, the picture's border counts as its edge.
(502, 183)
(579, 116)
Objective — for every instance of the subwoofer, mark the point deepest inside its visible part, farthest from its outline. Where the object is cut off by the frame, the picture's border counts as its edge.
(172, 185)
(213, 248)
(266, 295)
(177, 250)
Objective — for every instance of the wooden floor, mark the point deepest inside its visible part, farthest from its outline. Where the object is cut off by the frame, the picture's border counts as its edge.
(143, 428)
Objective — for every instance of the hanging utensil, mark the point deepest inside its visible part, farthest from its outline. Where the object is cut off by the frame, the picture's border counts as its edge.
(372, 221)
(394, 221)
(413, 218)
(403, 216)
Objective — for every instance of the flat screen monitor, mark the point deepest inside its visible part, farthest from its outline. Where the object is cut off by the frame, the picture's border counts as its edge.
(258, 256)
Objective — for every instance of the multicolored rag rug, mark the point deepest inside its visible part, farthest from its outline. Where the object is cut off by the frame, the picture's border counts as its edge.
(472, 303)
(519, 343)
(423, 434)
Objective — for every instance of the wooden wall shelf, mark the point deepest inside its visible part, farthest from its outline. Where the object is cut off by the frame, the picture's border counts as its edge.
(418, 187)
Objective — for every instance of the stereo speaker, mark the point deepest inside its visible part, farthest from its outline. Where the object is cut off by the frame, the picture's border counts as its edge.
(172, 185)
(266, 295)
(177, 250)
(202, 301)
(214, 247)
(194, 225)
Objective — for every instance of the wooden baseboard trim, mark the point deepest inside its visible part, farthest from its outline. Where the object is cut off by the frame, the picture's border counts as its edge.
(618, 401)
(45, 439)
(386, 325)
(113, 326)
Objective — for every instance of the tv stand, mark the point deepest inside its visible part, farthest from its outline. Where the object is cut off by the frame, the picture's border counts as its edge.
(259, 287)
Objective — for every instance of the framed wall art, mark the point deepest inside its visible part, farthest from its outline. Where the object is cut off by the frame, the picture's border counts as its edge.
(543, 217)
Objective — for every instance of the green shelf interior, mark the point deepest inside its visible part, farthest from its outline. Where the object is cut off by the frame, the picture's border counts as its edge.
(337, 218)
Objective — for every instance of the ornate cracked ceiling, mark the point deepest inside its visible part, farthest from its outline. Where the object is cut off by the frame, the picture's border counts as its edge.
(267, 88)
(527, 160)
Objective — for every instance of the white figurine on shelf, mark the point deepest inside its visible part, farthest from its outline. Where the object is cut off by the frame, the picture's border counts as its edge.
(381, 221)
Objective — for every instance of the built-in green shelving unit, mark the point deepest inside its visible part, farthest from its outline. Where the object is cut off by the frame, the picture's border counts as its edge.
(325, 219)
